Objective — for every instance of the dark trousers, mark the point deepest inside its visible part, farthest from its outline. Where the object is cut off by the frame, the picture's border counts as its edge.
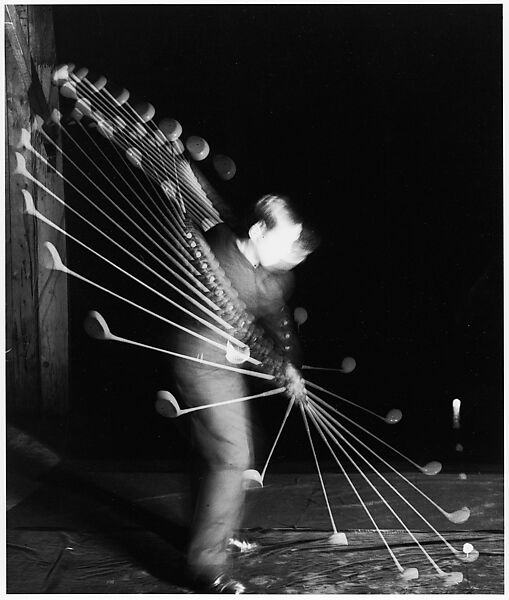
(222, 438)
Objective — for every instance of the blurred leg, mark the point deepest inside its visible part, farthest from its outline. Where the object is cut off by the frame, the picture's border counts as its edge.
(222, 438)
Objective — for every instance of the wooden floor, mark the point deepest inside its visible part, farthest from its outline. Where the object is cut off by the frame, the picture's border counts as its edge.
(101, 527)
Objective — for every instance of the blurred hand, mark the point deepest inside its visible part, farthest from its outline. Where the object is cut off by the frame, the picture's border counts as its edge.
(294, 383)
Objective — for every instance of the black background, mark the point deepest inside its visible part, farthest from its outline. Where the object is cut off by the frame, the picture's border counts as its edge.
(385, 124)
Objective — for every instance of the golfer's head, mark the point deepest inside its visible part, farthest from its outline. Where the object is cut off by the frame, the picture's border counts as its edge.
(279, 236)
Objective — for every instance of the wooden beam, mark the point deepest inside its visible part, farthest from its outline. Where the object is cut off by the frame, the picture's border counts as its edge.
(24, 61)
(22, 368)
(36, 299)
(52, 285)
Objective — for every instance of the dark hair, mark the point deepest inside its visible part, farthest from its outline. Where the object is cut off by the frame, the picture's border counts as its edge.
(268, 210)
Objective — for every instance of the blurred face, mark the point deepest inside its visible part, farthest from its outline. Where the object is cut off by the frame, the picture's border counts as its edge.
(277, 248)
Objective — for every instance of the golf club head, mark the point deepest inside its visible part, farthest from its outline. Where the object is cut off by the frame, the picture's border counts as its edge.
(24, 139)
(348, 364)
(50, 258)
(56, 116)
(61, 73)
(432, 468)
(393, 416)
(452, 578)
(338, 539)
(29, 203)
(21, 165)
(410, 573)
(252, 479)
(459, 516)
(37, 123)
(167, 405)
(96, 327)
(236, 355)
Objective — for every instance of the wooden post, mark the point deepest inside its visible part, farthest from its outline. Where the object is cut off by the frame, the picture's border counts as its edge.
(36, 299)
